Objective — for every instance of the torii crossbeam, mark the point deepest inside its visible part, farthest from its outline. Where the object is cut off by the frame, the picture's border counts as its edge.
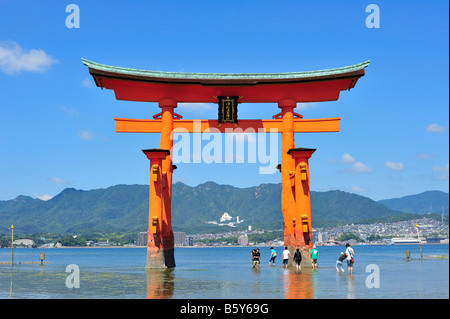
(170, 88)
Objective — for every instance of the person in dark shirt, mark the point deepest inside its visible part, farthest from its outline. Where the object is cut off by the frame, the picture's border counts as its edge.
(255, 258)
(298, 259)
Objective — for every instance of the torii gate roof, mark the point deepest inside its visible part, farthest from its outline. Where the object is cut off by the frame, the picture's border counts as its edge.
(153, 86)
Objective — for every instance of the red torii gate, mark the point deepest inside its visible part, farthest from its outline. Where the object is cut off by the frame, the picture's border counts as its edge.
(170, 88)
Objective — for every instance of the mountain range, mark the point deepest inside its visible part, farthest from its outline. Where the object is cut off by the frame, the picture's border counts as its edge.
(124, 208)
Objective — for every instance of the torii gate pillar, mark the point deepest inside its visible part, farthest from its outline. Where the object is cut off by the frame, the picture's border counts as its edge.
(160, 244)
(160, 249)
(287, 172)
(166, 142)
(302, 222)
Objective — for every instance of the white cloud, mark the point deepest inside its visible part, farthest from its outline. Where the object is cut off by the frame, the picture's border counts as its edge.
(436, 128)
(443, 169)
(14, 59)
(43, 197)
(355, 167)
(58, 180)
(359, 167)
(425, 155)
(394, 166)
(347, 158)
(86, 135)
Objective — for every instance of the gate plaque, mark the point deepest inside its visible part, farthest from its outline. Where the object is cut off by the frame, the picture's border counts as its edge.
(228, 109)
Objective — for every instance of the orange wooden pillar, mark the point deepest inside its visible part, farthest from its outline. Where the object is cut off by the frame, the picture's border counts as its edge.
(160, 251)
(302, 229)
(166, 142)
(287, 171)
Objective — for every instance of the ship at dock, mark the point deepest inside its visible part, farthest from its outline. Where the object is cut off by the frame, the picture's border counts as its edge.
(405, 241)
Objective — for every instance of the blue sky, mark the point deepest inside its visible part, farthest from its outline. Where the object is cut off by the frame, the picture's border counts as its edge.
(57, 128)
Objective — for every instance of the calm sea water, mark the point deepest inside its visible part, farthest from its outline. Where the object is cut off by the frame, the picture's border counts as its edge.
(380, 272)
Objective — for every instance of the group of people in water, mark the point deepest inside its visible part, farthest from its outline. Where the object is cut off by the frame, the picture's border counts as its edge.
(297, 258)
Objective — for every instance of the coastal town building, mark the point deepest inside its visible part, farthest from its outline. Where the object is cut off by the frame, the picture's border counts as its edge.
(179, 238)
(103, 243)
(141, 239)
(24, 242)
(243, 240)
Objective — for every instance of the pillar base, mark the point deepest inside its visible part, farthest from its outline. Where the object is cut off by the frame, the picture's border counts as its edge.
(158, 258)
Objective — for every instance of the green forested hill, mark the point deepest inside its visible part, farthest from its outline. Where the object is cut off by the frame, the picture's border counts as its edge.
(338, 207)
(426, 202)
(125, 208)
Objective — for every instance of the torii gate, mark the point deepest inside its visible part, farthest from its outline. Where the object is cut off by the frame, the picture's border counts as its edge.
(171, 88)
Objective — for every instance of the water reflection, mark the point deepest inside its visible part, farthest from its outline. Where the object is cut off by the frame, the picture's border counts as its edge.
(11, 286)
(350, 287)
(299, 284)
(160, 283)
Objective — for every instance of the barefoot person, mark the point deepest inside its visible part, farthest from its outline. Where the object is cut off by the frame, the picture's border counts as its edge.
(314, 256)
(255, 258)
(298, 259)
(339, 261)
(273, 255)
(350, 261)
(286, 255)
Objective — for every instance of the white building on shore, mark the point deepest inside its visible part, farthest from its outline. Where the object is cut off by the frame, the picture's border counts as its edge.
(23, 242)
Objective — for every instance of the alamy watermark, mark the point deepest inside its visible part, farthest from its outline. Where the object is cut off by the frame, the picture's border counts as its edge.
(73, 280)
(228, 147)
(373, 19)
(373, 279)
(73, 19)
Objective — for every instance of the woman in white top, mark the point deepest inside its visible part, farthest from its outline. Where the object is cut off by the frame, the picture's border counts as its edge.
(286, 255)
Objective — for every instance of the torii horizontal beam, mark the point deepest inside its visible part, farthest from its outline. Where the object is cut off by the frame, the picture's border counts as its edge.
(124, 125)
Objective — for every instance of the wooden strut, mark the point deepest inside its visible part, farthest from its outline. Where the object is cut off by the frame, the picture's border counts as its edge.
(280, 115)
(174, 115)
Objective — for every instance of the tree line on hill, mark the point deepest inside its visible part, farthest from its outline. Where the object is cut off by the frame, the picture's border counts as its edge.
(124, 209)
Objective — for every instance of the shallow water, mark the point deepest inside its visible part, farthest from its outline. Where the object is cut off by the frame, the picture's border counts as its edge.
(380, 272)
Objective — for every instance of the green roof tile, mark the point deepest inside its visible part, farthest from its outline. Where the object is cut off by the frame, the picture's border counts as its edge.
(225, 76)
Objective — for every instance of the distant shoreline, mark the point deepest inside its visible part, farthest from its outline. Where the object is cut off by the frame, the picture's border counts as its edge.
(222, 246)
